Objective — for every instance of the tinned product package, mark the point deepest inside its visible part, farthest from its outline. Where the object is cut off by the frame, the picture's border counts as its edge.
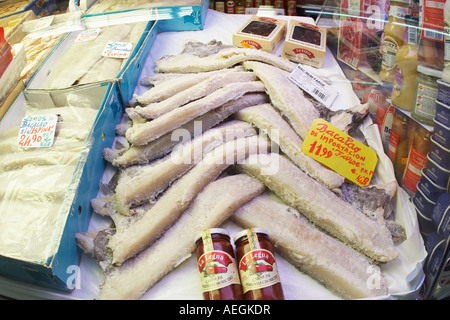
(305, 43)
(261, 33)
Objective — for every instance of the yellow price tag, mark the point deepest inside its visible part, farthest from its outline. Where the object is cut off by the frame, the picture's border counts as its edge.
(340, 152)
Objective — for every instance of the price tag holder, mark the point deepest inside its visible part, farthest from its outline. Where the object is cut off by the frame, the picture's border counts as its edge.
(115, 49)
(37, 131)
(340, 152)
(313, 85)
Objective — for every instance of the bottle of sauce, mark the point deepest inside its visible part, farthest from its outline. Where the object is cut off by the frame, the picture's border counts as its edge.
(400, 141)
(217, 266)
(249, 3)
(426, 94)
(405, 78)
(257, 266)
(394, 34)
(417, 159)
(431, 45)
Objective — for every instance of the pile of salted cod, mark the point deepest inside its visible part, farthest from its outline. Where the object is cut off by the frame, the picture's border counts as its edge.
(218, 136)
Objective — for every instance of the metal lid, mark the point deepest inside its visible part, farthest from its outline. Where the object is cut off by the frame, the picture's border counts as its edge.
(212, 231)
(244, 233)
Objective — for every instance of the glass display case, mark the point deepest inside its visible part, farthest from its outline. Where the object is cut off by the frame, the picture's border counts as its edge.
(396, 54)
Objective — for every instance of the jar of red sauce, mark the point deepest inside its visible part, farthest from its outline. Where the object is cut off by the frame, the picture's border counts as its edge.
(217, 266)
(257, 266)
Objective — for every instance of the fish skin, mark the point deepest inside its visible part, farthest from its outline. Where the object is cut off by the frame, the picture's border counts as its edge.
(176, 244)
(270, 121)
(153, 179)
(322, 206)
(177, 198)
(143, 133)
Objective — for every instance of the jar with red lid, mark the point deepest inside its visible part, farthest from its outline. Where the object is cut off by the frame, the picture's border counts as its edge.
(217, 265)
(257, 266)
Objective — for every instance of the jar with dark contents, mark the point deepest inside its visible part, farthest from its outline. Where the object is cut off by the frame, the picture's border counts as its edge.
(257, 266)
(217, 266)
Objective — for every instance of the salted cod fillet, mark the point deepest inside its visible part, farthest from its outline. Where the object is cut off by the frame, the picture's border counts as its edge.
(178, 197)
(226, 58)
(81, 56)
(341, 269)
(137, 275)
(286, 96)
(267, 119)
(300, 111)
(174, 83)
(197, 91)
(161, 146)
(143, 133)
(153, 179)
(321, 206)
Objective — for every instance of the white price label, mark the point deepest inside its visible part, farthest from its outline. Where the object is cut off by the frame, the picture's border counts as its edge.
(115, 49)
(313, 85)
(37, 131)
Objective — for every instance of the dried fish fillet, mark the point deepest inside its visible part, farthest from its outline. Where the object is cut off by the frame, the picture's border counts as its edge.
(143, 133)
(153, 179)
(226, 58)
(338, 267)
(286, 96)
(168, 84)
(161, 146)
(178, 197)
(197, 91)
(322, 206)
(82, 56)
(137, 275)
(267, 119)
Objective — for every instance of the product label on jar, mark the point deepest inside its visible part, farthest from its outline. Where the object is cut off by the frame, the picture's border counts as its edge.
(413, 172)
(390, 48)
(426, 101)
(384, 119)
(258, 269)
(217, 268)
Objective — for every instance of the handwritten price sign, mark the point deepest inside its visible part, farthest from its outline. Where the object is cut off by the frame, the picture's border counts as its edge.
(340, 152)
(37, 131)
(115, 49)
